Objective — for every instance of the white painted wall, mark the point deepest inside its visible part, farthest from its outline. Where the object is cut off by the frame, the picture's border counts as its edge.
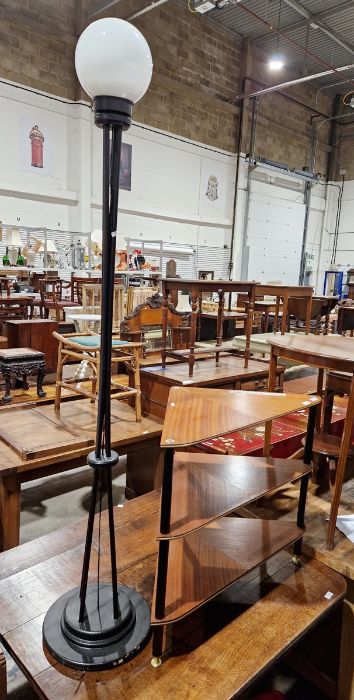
(169, 176)
(275, 225)
(169, 183)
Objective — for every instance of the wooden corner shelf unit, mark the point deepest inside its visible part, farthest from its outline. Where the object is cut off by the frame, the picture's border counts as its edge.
(201, 551)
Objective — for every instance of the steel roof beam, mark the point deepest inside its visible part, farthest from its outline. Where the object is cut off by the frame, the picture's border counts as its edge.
(312, 20)
(318, 17)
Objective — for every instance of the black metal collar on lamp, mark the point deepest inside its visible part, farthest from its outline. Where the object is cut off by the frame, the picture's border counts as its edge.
(112, 110)
(98, 626)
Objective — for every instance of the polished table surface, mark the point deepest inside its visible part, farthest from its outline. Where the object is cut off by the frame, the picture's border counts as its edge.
(216, 653)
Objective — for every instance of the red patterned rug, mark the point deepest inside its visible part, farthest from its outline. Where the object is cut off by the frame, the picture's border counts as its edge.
(286, 437)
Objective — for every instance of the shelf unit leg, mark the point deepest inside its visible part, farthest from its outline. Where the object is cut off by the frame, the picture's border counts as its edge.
(308, 454)
(157, 642)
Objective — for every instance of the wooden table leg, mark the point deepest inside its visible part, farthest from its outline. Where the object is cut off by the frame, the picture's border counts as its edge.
(342, 460)
(10, 504)
(249, 326)
(266, 321)
(308, 314)
(219, 322)
(319, 392)
(271, 387)
(276, 315)
(285, 314)
(193, 330)
(164, 325)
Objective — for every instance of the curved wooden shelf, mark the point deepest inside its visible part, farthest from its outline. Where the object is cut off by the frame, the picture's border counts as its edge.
(206, 487)
(205, 562)
(195, 414)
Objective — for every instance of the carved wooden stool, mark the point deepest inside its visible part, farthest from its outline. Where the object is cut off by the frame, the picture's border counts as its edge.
(22, 362)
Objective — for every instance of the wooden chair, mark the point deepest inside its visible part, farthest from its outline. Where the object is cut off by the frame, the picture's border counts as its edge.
(3, 680)
(12, 310)
(144, 324)
(345, 322)
(137, 296)
(85, 347)
(51, 292)
(91, 301)
(319, 310)
(77, 284)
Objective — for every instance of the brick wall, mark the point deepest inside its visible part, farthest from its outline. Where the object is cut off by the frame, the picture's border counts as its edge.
(196, 69)
(37, 42)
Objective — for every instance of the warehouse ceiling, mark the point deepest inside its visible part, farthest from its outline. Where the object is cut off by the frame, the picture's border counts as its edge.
(313, 33)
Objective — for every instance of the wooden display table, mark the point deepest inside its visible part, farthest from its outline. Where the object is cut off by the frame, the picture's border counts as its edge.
(196, 288)
(36, 334)
(207, 653)
(230, 373)
(202, 552)
(325, 352)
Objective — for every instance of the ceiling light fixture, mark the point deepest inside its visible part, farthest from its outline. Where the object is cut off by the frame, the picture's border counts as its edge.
(276, 62)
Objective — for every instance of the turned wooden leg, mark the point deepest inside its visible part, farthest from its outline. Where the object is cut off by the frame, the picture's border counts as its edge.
(193, 330)
(137, 384)
(40, 378)
(6, 373)
(164, 325)
(25, 384)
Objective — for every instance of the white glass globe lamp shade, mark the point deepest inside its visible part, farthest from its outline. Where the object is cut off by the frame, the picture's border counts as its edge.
(113, 59)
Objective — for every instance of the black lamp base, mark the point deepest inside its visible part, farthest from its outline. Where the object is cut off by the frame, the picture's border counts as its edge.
(99, 642)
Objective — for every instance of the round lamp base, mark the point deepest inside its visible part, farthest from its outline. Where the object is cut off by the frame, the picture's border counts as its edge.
(100, 641)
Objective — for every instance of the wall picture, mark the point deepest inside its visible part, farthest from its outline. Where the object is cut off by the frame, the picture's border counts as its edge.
(36, 145)
(125, 175)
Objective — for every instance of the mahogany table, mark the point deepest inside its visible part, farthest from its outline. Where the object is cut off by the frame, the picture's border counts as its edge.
(196, 288)
(217, 655)
(284, 292)
(325, 352)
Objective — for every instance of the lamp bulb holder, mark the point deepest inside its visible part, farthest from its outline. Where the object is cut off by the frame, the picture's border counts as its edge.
(112, 111)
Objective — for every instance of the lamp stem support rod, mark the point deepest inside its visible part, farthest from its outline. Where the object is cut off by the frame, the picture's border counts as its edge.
(88, 544)
(103, 412)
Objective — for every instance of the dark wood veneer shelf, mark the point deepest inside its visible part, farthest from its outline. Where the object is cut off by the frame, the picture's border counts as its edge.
(205, 562)
(206, 487)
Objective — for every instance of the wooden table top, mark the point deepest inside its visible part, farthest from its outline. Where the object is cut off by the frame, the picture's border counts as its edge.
(207, 371)
(282, 289)
(215, 655)
(78, 417)
(194, 414)
(327, 351)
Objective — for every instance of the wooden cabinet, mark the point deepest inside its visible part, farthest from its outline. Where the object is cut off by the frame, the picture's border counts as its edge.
(36, 334)
(201, 551)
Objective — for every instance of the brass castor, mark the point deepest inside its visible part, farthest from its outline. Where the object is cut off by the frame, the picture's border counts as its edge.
(295, 559)
(156, 662)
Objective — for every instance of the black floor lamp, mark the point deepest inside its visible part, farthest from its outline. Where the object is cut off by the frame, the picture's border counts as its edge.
(98, 626)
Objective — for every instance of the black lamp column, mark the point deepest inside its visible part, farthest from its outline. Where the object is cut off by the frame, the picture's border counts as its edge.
(98, 626)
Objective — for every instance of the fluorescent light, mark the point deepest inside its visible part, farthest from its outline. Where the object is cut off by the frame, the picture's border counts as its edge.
(276, 62)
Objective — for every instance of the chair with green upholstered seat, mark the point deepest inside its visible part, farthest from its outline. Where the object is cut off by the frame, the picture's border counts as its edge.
(85, 347)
